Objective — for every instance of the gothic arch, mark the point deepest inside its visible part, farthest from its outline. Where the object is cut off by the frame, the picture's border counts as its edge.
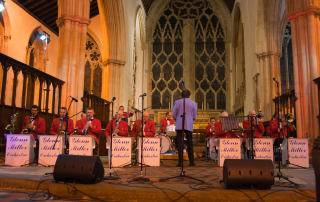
(96, 39)
(35, 49)
(141, 17)
(237, 18)
(6, 34)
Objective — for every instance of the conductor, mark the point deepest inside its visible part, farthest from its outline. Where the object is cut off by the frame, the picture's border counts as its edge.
(190, 116)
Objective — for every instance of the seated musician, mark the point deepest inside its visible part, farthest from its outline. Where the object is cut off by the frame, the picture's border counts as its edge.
(257, 127)
(125, 114)
(56, 125)
(121, 130)
(224, 134)
(92, 125)
(166, 121)
(283, 128)
(34, 124)
(210, 129)
(78, 122)
(149, 128)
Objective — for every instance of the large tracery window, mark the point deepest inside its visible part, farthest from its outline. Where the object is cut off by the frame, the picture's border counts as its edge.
(209, 55)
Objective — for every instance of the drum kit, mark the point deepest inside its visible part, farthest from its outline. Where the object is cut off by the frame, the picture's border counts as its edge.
(167, 142)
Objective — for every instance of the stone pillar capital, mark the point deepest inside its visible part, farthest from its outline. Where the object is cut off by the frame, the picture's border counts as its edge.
(113, 61)
(73, 18)
(268, 54)
(300, 12)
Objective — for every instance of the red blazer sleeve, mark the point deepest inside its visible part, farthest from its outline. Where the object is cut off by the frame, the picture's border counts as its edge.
(260, 127)
(70, 126)
(41, 126)
(78, 122)
(25, 122)
(123, 128)
(97, 129)
(134, 129)
(130, 114)
(81, 122)
(53, 129)
(219, 131)
(291, 129)
(208, 130)
(164, 123)
(273, 126)
(107, 130)
(152, 127)
(171, 121)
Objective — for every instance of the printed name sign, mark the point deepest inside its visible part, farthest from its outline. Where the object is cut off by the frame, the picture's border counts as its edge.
(19, 149)
(297, 152)
(213, 145)
(81, 145)
(47, 154)
(151, 151)
(121, 151)
(229, 148)
(263, 148)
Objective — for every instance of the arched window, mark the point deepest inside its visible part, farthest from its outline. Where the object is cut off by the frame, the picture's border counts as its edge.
(171, 41)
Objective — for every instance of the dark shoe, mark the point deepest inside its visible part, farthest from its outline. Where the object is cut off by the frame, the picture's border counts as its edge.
(179, 165)
(192, 164)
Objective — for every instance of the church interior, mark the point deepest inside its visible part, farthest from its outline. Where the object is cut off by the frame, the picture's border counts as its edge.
(233, 56)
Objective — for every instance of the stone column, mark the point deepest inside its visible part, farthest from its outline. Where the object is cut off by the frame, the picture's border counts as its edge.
(73, 20)
(304, 19)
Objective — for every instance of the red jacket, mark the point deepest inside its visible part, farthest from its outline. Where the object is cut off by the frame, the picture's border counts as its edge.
(149, 129)
(94, 131)
(41, 126)
(123, 128)
(222, 134)
(165, 123)
(56, 129)
(257, 132)
(78, 122)
(209, 133)
(274, 129)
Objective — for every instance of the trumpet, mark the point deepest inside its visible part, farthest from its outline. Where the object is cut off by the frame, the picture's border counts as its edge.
(26, 130)
(86, 130)
(289, 117)
(258, 117)
(11, 127)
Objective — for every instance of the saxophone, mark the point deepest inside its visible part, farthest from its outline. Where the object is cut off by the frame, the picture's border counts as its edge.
(11, 127)
(114, 134)
(26, 130)
(86, 130)
(62, 132)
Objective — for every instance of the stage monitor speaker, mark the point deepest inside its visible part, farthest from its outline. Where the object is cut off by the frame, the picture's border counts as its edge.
(243, 172)
(80, 169)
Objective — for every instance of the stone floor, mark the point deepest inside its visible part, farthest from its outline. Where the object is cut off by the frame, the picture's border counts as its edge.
(179, 189)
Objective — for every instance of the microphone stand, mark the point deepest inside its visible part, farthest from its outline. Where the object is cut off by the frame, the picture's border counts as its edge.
(182, 173)
(110, 177)
(252, 152)
(141, 179)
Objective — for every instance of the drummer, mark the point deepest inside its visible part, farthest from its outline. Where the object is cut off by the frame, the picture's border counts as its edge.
(166, 121)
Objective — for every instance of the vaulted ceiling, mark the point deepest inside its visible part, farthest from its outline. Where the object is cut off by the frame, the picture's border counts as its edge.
(46, 11)
(147, 4)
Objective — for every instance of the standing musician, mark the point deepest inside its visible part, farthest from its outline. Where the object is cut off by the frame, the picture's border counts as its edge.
(256, 126)
(190, 116)
(55, 126)
(78, 122)
(283, 128)
(166, 121)
(125, 114)
(119, 126)
(149, 128)
(224, 134)
(92, 125)
(34, 124)
(210, 129)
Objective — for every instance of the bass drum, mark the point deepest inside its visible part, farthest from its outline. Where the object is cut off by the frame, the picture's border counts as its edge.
(165, 143)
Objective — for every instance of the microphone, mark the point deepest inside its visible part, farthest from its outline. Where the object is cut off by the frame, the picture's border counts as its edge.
(113, 99)
(76, 100)
(144, 94)
(275, 79)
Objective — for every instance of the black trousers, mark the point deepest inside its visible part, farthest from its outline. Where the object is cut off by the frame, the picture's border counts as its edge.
(189, 143)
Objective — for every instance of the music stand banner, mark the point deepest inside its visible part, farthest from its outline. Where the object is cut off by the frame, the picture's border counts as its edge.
(151, 151)
(229, 148)
(121, 151)
(48, 155)
(81, 145)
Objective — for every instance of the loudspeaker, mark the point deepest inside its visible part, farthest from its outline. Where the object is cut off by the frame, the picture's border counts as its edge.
(80, 169)
(243, 172)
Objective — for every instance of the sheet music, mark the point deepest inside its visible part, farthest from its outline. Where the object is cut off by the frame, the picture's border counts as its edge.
(230, 123)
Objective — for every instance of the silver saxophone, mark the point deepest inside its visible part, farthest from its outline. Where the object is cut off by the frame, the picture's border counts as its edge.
(114, 134)
(86, 130)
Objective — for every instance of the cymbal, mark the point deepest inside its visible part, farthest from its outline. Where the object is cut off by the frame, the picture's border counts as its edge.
(158, 124)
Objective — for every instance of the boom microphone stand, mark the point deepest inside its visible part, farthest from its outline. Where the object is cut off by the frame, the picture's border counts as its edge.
(183, 173)
(111, 131)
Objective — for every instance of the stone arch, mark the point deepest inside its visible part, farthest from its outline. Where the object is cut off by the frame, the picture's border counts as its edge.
(96, 39)
(5, 34)
(36, 46)
(141, 17)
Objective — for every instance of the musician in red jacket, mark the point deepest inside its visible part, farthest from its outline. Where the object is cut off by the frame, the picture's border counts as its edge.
(257, 127)
(166, 121)
(149, 127)
(56, 123)
(125, 114)
(122, 129)
(224, 134)
(283, 128)
(210, 129)
(34, 123)
(78, 122)
(92, 125)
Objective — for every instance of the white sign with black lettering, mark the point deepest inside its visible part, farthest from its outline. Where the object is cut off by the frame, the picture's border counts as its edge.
(229, 148)
(297, 152)
(151, 151)
(121, 151)
(81, 145)
(19, 149)
(47, 154)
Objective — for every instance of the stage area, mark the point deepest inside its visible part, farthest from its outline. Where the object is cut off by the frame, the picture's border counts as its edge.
(181, 189)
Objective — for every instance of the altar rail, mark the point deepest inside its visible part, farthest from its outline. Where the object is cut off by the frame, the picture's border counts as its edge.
(32, 81)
